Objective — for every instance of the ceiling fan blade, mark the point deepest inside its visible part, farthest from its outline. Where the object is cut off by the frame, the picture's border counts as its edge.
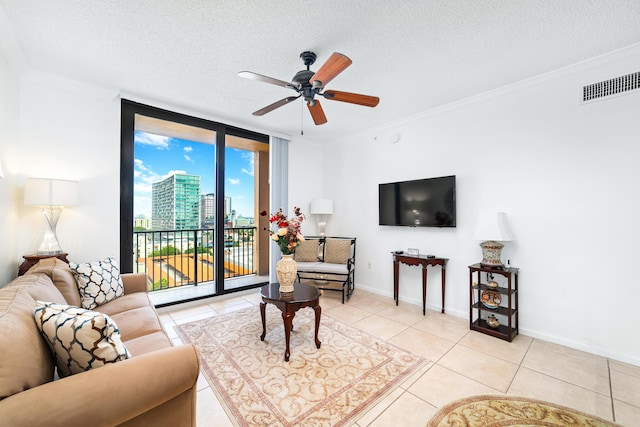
(317, 112)
(275, 105)
(353, 98)
(261, 78)
(336, 64)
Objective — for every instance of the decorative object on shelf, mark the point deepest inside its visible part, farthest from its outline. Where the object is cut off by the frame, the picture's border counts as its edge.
(413, 251)
(492, 284)
(52, 195)
(287, 234)
(492, 228)
(321, 208)
(491, 299)
(492, 321)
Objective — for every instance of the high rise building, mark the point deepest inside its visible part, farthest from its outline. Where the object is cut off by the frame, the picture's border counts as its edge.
(227, 206)
(142, 222)
(175, 203)
(207, 210)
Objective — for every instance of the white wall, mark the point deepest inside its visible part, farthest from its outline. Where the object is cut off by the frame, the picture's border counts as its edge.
(8, 147)
(306, 179)
(71, 131)
(567, 176)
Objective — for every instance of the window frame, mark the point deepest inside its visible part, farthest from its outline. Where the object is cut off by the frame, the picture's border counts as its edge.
(129, 109)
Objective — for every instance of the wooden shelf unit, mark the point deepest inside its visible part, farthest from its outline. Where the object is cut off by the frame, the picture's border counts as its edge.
(506, 312)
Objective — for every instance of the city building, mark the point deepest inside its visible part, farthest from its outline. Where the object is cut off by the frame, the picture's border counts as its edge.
(227, 208)
(175, 203)
(207, 210)
(141, 222)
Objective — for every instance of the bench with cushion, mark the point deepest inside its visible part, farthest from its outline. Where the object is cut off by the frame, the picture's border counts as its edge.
(327, 263)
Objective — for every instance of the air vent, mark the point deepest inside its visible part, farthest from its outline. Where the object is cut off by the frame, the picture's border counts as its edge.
(611, 87)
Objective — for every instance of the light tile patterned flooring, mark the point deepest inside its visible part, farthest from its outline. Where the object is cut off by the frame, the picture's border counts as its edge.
(463, 363)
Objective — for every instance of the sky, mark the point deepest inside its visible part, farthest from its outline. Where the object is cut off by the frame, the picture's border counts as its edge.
(157, 157)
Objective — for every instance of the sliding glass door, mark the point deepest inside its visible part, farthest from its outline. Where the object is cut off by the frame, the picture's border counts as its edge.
(191, 191)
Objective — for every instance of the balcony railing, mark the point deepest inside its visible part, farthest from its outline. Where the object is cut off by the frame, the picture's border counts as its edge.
(175, 258)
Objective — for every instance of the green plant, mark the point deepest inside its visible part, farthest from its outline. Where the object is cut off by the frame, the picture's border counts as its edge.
(160, 284)
(167, 250)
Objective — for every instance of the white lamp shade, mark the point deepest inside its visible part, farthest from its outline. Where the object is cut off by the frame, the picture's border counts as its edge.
(50, 192)
(493, 226)
(321, 207)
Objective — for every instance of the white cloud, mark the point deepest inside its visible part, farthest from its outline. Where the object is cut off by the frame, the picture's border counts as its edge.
(158, 141)
(144, 177)
(188, 149)
(188, 158)
(234, 181)
(249, 158)
(173, 172)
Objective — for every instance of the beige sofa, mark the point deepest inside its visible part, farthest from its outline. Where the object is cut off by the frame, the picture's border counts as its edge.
(155, 387)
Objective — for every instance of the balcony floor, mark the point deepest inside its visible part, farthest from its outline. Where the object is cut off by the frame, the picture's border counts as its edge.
(207, 289)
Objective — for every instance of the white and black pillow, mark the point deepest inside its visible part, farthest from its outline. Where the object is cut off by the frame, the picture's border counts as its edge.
(79, 339)
(98, 282)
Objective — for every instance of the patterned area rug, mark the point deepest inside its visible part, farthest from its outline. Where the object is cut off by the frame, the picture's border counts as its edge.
(330, 386)
(511, 411)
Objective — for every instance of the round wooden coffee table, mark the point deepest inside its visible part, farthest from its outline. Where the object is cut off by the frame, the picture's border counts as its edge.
(302, 296)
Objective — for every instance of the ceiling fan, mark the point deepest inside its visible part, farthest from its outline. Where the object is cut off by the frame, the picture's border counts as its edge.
(308, 84)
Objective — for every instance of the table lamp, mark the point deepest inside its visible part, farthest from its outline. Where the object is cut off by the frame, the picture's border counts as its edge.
(321, 208)
(492, 228)
(52, 195)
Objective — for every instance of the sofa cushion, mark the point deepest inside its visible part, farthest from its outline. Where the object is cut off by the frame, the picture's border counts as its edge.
(61, 276)
(137, 322)
(337, 251)
(148, 343)
(25, 359)
(306, 251)
(125, 304)
(98, 282)
(39, 287)
(80, 339)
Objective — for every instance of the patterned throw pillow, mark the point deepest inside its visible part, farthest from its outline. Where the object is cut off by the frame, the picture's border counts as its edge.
(79, 339)
(307, 251)
(337, 251)
(98, 282)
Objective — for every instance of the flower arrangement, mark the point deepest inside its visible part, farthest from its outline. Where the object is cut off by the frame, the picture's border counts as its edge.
(287, 231)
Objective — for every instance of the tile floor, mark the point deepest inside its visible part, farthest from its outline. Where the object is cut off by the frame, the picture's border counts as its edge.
(463, 363)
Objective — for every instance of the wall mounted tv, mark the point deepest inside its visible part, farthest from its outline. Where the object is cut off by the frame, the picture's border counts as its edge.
(419, 203)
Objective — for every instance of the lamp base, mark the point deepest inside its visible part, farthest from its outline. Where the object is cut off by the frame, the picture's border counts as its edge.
(50, 244)
(491, 252)
(322, 224)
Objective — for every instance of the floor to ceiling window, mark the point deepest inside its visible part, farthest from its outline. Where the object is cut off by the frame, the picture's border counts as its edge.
(191, 193)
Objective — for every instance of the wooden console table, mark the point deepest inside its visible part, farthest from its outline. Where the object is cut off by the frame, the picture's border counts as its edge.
(424, 261)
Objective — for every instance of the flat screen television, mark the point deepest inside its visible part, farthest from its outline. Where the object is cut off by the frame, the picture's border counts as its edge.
(427, 202)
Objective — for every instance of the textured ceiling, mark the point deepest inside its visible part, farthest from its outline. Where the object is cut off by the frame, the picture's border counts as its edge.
(414, 55)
